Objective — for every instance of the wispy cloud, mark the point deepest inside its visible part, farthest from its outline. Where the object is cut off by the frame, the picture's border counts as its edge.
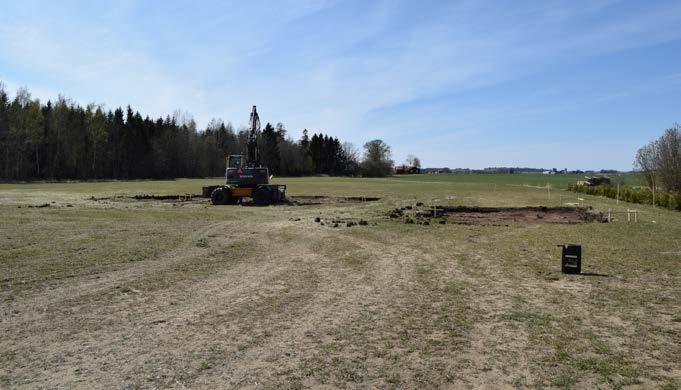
(356, 69)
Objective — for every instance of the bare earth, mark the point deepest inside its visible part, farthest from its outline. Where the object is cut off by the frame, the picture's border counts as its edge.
(246, 297)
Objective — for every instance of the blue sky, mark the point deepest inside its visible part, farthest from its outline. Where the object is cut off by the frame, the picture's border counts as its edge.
(565, 84)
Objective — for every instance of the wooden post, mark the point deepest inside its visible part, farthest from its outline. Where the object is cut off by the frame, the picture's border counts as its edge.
(434, 200)
(653, 191)
(609, 216)
(618, 193)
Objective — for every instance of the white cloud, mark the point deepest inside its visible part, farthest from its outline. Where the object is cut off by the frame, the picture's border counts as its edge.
(309, 69)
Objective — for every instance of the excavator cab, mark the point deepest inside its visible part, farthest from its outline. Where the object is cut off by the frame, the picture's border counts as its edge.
(243, 175)
(235, 161)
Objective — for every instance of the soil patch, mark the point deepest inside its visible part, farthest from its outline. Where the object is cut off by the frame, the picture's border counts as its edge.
(178, 198)
(320, 199)
(150, 197)
(473, 215)
(302, 200)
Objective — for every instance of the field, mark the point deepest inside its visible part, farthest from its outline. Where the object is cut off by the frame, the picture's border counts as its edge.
(99, 290)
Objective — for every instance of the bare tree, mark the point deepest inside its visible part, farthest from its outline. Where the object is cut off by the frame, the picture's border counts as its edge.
(351, 152)
(669, 159)
(413, 161)
(660, 161)
(646, 162)
(183, 117)
(350, 159)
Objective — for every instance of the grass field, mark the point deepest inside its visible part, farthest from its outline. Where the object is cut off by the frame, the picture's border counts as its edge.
(98, 290)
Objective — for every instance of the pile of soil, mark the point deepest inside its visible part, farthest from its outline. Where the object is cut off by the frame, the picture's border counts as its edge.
(340, 221)
(473, 215)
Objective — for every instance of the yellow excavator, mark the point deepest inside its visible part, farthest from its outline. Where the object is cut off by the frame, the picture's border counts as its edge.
(246, 177)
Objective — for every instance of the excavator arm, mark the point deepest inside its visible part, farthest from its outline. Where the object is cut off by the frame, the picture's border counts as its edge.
(253, 154)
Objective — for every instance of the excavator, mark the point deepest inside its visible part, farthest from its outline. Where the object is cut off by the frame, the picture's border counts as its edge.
(246, 177)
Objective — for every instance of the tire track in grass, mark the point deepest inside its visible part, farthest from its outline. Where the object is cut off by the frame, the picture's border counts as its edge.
(497, 350)
(73, 290)
(555, 318)
(383, 305)
(175, 347)
(48, 325)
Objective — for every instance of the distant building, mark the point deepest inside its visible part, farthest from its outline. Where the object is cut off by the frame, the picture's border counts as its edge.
(437, 170)
(596, 181)
(406, 170)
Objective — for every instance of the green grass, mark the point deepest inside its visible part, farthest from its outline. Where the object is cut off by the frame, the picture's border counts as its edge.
(115, 292)
(534, 179)
(300, 185)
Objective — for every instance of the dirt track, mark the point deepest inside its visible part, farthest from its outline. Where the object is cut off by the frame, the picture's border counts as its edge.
(284, 302)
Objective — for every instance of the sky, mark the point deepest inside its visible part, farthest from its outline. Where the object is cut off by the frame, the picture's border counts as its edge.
(564, 84)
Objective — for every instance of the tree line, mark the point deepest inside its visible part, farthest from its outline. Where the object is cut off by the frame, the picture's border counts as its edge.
(63, 140)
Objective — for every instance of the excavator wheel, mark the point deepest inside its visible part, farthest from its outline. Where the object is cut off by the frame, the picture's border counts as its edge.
(262, 196)
(221, 195)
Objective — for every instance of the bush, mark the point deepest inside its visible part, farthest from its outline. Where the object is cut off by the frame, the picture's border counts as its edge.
(669, 200)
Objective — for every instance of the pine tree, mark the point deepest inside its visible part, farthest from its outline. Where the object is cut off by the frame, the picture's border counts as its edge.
(62, 140)
(4, 130)
(306, 157)
(96, 126)
(316, 153)
(270, 149)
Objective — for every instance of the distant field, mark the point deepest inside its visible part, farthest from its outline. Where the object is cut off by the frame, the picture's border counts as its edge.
(395, 185)
(521, 178)
(98, 290)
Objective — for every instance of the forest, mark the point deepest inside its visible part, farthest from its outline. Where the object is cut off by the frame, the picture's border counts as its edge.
(62, 140)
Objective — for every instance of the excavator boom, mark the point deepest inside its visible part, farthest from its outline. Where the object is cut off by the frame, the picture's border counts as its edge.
(253, 158)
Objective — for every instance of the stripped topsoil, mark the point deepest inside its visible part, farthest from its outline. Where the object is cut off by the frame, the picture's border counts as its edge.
(473, 215)
(302, 200)
(320, 199)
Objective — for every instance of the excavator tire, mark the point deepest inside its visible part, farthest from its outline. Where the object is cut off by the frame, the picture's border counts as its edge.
(221, 196)
(262, 196)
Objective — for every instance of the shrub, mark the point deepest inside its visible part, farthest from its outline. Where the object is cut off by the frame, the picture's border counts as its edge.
(669, 200)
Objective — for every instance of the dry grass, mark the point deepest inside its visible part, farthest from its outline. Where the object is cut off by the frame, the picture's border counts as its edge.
(123, 294)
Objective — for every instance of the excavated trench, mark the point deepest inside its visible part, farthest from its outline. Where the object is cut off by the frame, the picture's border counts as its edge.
(302, 200)
(474, 215)
(320, 199)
